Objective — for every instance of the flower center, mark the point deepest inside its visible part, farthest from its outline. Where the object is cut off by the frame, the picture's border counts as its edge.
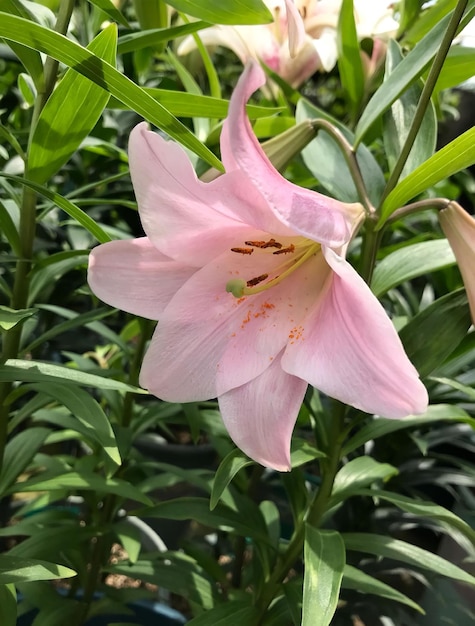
(292, 256)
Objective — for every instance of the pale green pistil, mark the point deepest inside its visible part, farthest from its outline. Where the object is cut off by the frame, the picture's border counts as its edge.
(300, 252)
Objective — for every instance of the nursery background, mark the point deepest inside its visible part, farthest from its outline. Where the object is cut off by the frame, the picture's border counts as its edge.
(237, 289)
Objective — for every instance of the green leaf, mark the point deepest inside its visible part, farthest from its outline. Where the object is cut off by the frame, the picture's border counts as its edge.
(19, 452)
(69, 115)
(378, 427)
(427, 19)
(130, 538)
(422, 508)
(68, 207)
(303, 451)
(455, 384)
(221, 517)
(455, 156)
(388, 547)
(89, 319)
(358, 473)
(409, 262)
(325, 160)
(324, 558)
(350, 64)
(409, 70)
(30, 59)
(434, 333)
(16, 570)
(38, 372)
(398, 119)
(84, 481)
(8, 228)
(8, 604)
(176, 572)
(87, 410)
(183, 104)
(231, 612)
(229, 12)
(409, 11)
(111, 10)
(233, 462)
(102, 73)
(457, 68)
(9, 318)
(357, 580)
(151, 37)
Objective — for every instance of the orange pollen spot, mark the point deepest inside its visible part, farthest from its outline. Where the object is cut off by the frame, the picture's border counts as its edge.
(246, 320)
(290, 248)
(243, 250)
(241, 300)
(296, 333)
(264, 310)
(258, 279)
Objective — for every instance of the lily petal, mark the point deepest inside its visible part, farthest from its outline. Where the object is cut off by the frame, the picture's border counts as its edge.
(296, 28)
(208, 342)
(307, 212)
(135, 277)
(260, 415)
(349, 349)
(194, 221)
(459, 228)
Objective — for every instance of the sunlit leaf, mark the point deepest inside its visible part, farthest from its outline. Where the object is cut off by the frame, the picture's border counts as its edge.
(9, 318)
(455, 156)
(102, 73)
(409, 262)
(229, 12)
(391, 548)
(15, 570)
(324, 558)
(357, 580)
(37, 371)
(69, 115)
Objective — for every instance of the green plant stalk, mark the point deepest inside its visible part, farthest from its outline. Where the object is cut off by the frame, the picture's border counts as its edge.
(369, 249)
(315, 514)
(146, 329)
(240, 543)
(426, 95)
(19, 300)
(351, 161)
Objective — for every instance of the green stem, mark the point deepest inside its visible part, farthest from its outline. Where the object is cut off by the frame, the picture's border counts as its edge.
(146, 327)
(351, 160)
(329, 467)
(370, 246)
(425, 96)
(20, 293)
(416, 207)
(240, 544)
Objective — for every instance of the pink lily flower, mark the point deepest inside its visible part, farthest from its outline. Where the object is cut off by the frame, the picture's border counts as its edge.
(459, 228)
(253, 296)
(303, 37)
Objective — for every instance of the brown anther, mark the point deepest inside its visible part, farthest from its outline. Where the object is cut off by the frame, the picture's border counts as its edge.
(290, 248)
(272, 243)
(255, 244)
(258, 279)
(243, 250)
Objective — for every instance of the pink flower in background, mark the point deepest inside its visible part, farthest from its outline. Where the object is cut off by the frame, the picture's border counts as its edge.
(254, 298)
(459, 228)
(297, 57)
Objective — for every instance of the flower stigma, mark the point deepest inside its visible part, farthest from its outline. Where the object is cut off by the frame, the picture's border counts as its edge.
(293, 256)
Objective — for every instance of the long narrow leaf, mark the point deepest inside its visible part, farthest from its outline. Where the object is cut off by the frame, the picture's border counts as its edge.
(103, 74)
